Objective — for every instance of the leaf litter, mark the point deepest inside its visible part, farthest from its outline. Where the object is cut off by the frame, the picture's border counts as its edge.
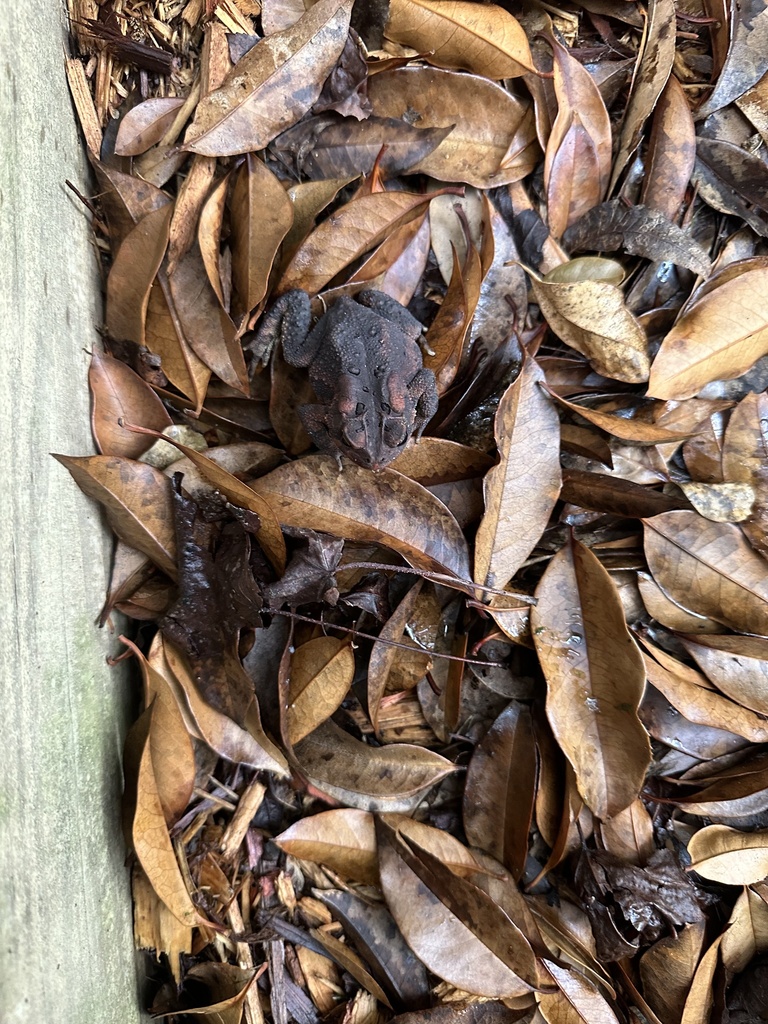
(484, 732)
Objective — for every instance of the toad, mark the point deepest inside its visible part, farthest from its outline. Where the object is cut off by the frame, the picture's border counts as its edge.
(365, 367)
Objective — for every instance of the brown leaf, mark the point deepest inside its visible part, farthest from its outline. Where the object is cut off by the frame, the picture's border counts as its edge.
(493, 141)
(384, 508)
(577, 162)
(145, 124)
(132, 273)
(207, 327)
(209, 236)
(125, 201)
(485, 40)
(344, 840)
(521, 491)
(321, 675)
(578, 1001)
(746, 934)
(192, 196)
(242, 743)
(391, 778)
(737, 665)
(688, 692)
(747, 58)
(261, 216)
(153, 846)
(614, 496)
(668, 967)
(349, 960)
(273, 85)
(165, 337)
(726, 855)
(590, 315)
(671, 152)
(651, 73)
(595, 679)
(350, 232)
(434, 460)
(719, 334)
(639, 231)
(332, 147)
(119, 393)
(709, 568)
(442, 942)
(136, 499)
(500, 788)
(383, 655)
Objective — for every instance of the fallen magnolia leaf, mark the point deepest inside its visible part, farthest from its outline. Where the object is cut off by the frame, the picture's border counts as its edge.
(590, 315)
(746, 934)
(261, 215)
(119, 393)
(354, 503)
(391, 778)
(577, 1000)
(737, 665)
(384, 655)
(132, 273)
(728, 856)
(153, 847)
(577, 162)
(668, 967)
(709, 568)
(485, 39)
(273, 85)
(445, 944)
(493, 138)
(136, 499)
(321, 674)
(500, 788)
(351, 962)
(595, 679)
(351, 231)
(671, 152)
(522, 490)
(639, 231)
(747, 58)
(720, 333)
(145, 124)
(343, 839)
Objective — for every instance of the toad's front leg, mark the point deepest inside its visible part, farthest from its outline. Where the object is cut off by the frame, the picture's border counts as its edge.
(288, 321)
(423, 392)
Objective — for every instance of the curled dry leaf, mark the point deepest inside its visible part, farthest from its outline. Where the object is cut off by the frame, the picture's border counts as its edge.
(577, 1000)
(435, 460)
(718, 336)
(747, 59)
(485, 38)
(709, 568)
(273, 85)
(500, 788)
(726, 855)
(137, 502)
(261, 216)
(132, 273)
(391, 778)
(577, 162)
(493, 141)
(671, 152)
(343, 839)
(152, 844)
(119, 393)
(521, 491)
(595, 679)
(651, 74)
(348, 233)
(384, 508)
(383, 654)
(444, 943)
(591, 317)
(668, 967)
(145, 124)
(242, 743)
(746, 935)
(737, 665)
(321, 675)
(165, 337)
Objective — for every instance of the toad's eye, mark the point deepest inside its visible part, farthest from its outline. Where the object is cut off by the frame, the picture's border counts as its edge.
(353, 434)
(395, 431)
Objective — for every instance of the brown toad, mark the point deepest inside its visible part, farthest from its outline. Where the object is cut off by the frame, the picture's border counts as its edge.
(365, 367)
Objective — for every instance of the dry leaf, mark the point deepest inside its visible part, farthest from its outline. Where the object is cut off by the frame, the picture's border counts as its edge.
(119, 393)
(273, 85)
(595, 679)
(521, 491)
(321, 675)
(726, 855)
(484, 39)
(344, 840)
